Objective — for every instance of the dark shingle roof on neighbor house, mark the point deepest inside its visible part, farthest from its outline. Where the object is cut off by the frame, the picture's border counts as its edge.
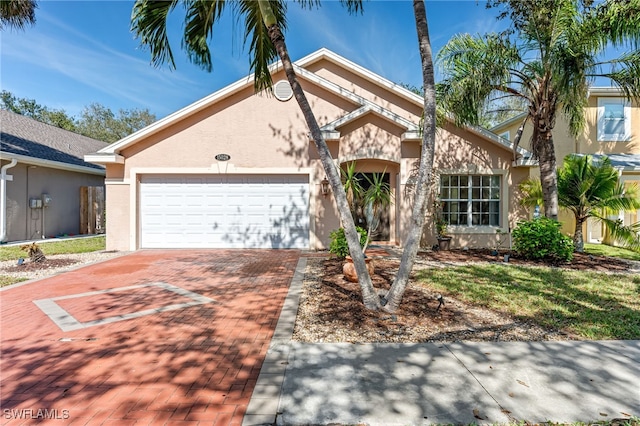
(27, 137)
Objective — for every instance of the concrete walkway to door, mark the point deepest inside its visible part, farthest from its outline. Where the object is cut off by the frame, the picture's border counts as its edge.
(154, 337)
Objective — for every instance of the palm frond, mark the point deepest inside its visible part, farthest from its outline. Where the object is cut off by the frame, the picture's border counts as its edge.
(261, 48)
(149, 24)
(624, 71)
(628, 236)
(17, 13)
(532, 193)
(198, 30)
(353, 6)
(475, 67)
(613, 22)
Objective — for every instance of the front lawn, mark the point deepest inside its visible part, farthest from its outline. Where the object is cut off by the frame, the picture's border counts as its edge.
(77, 245)
(605, 250)
(588, 305)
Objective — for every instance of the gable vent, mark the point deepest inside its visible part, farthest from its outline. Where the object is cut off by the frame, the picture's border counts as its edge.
(282, 90)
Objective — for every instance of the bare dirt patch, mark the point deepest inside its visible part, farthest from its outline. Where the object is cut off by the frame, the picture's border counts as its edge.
(331, 309)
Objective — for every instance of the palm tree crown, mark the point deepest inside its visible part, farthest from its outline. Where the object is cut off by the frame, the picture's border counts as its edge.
(17, 13)
(549, 59)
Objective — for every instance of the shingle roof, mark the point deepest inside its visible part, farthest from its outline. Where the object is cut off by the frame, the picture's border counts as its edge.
(28, 137)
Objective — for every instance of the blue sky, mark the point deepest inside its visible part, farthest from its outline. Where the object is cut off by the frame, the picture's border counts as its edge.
(81, 52)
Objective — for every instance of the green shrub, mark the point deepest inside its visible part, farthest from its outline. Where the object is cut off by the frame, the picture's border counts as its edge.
(339, 246)
(541, 239)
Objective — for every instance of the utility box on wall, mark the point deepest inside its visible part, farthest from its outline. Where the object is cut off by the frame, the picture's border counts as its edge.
(92, 220)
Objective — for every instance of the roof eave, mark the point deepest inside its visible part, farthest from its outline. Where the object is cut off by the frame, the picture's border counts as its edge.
(52, 164)
(492, 137)
(104, 158)
(605, 91)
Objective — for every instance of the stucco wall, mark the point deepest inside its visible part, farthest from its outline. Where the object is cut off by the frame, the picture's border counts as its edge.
(256, 131)
(459, 151)
(587, 142)
(264, 135)
(118, 206)
(63, 214)
(366, 88)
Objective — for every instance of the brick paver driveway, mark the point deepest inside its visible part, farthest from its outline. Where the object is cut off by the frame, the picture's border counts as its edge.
(154, 337)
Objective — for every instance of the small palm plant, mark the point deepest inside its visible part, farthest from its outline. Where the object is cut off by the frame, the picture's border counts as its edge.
(375, 199)
(352, 186)
(592, 189)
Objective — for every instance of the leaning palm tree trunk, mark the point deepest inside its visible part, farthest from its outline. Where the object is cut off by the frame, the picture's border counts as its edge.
(394, 296)
(369, 296)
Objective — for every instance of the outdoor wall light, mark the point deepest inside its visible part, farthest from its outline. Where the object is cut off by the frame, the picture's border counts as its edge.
(324, 186)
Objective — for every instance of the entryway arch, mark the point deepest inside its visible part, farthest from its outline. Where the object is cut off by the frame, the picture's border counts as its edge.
(388, 229)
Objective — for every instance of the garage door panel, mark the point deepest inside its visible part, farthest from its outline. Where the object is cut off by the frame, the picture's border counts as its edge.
(230, 211)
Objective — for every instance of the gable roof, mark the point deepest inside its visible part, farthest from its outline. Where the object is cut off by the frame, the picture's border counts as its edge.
(31, 141)
(110, 154)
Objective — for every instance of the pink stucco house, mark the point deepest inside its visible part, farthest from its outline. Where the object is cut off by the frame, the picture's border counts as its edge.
(238, 169)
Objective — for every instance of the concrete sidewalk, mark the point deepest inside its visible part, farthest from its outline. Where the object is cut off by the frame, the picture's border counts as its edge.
(412, 384)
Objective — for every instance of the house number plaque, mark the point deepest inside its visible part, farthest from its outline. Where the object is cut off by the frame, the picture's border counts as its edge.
(223, 157)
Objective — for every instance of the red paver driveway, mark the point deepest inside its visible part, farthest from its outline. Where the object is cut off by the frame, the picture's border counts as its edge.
(138, 353)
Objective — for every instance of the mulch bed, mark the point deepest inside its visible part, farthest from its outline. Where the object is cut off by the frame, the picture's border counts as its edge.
(580, 261)
(331, 308)
(29, 266)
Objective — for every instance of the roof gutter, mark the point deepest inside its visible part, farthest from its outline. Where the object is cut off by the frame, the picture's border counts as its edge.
(4, 177)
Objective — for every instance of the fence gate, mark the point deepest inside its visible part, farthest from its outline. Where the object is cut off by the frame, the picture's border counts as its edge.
(92, 220)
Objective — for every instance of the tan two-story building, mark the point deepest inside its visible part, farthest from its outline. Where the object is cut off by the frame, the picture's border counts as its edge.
(612, 129)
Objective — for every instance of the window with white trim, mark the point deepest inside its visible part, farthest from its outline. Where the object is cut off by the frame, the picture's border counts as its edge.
(470, 200)
(506, 135)
(614, 119)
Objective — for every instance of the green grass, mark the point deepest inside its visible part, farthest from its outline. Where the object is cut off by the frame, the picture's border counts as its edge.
(606, 250)
(80, 245)
(589, 304)
(6, 280)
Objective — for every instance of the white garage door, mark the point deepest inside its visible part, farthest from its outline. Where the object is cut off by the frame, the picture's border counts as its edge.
(224, 211)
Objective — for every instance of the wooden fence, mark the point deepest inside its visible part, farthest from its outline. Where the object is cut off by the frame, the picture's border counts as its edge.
(92, 220)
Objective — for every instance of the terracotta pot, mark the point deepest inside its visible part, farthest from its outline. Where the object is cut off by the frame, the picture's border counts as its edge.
(349, 269)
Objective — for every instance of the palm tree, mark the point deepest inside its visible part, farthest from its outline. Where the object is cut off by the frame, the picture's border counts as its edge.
(264, 22)
(414, 231)
(592, 189)
(548, 59)
(17, 13)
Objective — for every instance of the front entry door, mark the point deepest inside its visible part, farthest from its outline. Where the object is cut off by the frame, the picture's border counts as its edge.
(382, 231)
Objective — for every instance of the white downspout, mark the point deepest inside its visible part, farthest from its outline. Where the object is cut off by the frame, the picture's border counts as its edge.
(3, 197)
